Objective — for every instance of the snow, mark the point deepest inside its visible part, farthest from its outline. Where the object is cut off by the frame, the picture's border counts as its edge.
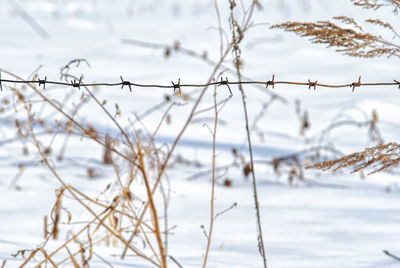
(327, 220)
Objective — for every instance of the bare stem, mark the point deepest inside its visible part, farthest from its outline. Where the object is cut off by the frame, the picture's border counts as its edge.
(212, 217)
(237, 62)
(152, 209)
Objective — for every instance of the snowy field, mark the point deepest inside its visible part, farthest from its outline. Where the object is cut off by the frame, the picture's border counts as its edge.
(322, 220)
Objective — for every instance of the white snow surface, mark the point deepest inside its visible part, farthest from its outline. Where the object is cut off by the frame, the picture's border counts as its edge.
(327, 220)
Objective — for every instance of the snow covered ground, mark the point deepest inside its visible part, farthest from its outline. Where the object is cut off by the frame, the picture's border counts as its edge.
(326, 220)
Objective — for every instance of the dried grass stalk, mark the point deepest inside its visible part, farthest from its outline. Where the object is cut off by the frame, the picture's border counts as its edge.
(352, 42)
(376, 4)
(379, 158)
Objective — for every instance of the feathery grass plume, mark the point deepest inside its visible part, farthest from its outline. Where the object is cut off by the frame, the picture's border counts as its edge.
(376, 4)
(384, 25)
(368, 4)
(352, 41)
(355, 42)
(380, 158)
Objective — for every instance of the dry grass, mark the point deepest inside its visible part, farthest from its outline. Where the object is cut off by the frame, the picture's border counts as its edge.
(379, 158)
(351, 40)
(356, 42)
(134, 210)
(376, 4)
(107, 220)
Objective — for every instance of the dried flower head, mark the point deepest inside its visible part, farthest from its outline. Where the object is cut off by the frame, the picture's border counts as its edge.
(376, 4)
(352, 42)
(379, 158)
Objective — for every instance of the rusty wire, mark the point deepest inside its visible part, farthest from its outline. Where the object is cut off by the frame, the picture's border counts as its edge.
(178, 86)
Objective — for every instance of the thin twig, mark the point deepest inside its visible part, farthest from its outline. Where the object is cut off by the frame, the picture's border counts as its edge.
(391, 255)
(212, 218)
(152, 208)
(237, 62)
(220, 30)
(29, 19)
(175, 261)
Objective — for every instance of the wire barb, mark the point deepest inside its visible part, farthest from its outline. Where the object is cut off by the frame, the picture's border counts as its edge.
(312, 84)
(225, 82)
(77, 83)
(125, 83)
(356, 84)
(177, 86)
(271, 82)
(1, 85)
(43, 82)
(398, 83)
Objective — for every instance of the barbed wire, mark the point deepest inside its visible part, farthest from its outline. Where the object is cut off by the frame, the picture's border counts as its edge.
(178, 85)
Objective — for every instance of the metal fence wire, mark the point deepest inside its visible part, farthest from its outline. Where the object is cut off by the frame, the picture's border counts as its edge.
(177, 86)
